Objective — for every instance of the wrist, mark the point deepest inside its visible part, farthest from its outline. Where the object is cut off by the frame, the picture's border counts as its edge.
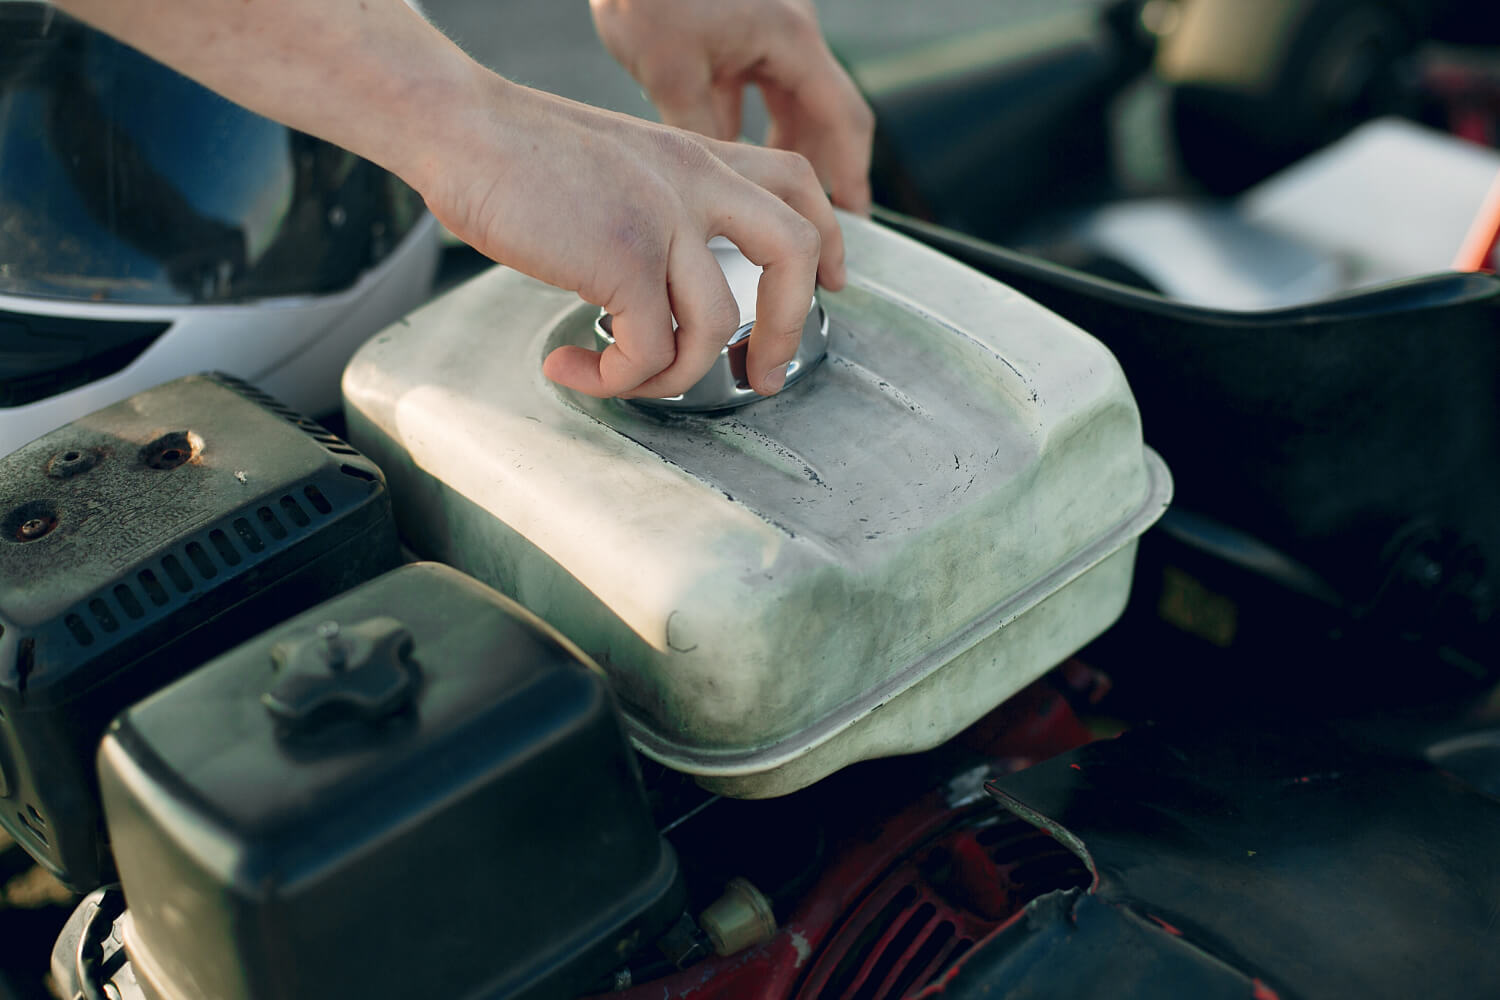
(465, 122)
(435, 104)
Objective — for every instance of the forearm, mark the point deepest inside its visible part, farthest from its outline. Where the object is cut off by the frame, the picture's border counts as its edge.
(369, 75)
(614, 208)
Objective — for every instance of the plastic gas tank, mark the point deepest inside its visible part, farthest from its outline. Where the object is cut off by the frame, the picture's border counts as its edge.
(937, 513)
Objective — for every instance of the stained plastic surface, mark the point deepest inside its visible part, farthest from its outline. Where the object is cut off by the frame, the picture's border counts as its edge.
(861, 565)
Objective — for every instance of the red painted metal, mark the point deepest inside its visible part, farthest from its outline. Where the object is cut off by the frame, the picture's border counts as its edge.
(904, 898)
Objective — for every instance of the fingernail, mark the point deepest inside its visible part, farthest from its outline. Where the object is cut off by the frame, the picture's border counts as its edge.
(774, 380)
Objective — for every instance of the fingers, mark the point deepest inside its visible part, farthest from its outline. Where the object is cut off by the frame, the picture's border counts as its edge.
(706, 318)
(644, 343)
(695, 58)
(791, 178)
(817, 110)
(658, 264)
(729, 108)
(837, 110)
(787, 246)
(687, 97)
(696, 116)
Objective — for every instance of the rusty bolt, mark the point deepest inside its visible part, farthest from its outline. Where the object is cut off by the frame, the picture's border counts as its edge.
(35, 528)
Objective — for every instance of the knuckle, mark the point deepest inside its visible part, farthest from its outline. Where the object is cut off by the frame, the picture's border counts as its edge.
(802, 239)
(800, 169)
(670, 380)
(638, 243)
(723, 318)
(630, 369)
(657, 356)
(682, 149)
(799, 20)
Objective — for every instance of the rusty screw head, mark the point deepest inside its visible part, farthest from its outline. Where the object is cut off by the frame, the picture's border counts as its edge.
(35, 528)
(72, 461)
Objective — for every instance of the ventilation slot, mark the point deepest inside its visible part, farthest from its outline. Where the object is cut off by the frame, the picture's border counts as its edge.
(128, 602)
(261, 399)
(911, 926)
(1030, 861)
(103, 615)
(200, 561)
(358, 473)
(892, 951)
(844, 976)
(297, 515)
(176, 574)
(309, 427)
(79, 630)
(248, 536)
(317, 499)
(273, 527)
(247, 390)
(334, 444)
(225, 547)
(155, 592)
(931, 951)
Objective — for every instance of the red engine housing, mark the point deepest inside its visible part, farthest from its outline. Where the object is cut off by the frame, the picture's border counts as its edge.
(908, 894)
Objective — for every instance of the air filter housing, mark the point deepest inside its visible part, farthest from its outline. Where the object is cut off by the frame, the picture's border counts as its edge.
(415, 789)
(135, 544)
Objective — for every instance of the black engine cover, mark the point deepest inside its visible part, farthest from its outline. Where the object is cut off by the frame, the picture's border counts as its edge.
(135, 544)
(415, 789)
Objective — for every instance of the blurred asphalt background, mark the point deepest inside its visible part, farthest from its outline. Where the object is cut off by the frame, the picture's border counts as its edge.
(551, 44)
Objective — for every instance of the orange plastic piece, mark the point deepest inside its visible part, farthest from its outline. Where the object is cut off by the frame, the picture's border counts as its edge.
(1478, 253)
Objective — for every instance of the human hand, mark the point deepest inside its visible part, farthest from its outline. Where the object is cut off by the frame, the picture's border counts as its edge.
(620, 210)
(614, 208)
(695, 58)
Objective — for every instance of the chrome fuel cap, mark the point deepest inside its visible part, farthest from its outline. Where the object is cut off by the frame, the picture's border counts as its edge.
(726, 386)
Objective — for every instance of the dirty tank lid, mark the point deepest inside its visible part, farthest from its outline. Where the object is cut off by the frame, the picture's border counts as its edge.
(861, 565)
